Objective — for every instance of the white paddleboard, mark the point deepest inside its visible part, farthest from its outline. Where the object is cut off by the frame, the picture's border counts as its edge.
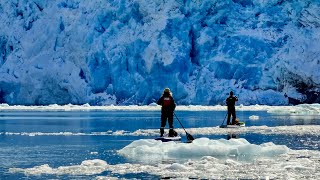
(241, 124)
(166, 138)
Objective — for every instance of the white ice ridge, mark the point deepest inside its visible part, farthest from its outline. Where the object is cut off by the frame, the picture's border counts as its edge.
(301, 109)
(288, 130)
(278, 162)
(143, 149)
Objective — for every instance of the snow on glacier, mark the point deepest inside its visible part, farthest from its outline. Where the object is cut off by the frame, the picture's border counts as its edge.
(126, 52)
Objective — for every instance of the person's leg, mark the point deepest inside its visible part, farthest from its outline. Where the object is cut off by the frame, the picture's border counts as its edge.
(170, 122)
(234, 117)
(163, 123)
(229, 116)
(172, 133)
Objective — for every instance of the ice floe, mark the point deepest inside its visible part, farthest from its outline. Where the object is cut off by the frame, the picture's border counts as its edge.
(146, 148)
(254, 117)
(268, 161)
(302, 109)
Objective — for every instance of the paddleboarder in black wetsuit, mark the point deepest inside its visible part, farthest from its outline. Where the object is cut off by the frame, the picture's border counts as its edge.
(168, 106)
(231, 101)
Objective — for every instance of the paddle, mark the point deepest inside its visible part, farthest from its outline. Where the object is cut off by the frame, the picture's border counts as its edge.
(223, 120)
(189, 136)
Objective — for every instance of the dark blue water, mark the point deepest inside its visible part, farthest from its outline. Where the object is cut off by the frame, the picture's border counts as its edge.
(29, 151)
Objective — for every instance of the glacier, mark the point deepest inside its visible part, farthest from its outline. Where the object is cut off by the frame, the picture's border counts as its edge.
(125, 52)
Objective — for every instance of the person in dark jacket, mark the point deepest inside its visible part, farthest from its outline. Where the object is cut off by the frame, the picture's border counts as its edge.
(168, 106)
(231, 101)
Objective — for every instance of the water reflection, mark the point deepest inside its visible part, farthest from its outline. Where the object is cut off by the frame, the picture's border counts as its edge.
(232, 135)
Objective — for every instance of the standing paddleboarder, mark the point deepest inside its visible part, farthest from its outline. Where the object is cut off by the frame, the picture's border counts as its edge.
(231, 101)
(168, 106)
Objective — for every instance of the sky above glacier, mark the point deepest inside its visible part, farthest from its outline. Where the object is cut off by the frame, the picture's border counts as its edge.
(126, 52)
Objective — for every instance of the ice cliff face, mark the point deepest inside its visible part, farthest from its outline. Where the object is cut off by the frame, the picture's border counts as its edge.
(128, 51)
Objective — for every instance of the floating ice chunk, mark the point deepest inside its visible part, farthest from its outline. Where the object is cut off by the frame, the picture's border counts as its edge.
(106, 178)
(149, 148)
(300, 164)
(253, 117)
(177, 166)
(292, 130)
(153, 104)
(4, 105)
(87, 167)
(301, 109)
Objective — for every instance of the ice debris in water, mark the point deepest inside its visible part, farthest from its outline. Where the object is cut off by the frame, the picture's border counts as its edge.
(284, 163)
(149, 148)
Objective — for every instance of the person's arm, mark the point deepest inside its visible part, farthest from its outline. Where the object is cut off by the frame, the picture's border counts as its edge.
(173, 106)
(160, 100)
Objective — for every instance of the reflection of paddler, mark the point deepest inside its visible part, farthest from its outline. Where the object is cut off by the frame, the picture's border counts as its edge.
(232, 135)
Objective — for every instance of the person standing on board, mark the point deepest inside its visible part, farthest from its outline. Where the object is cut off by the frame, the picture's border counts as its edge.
(168, 106)
(231, 101)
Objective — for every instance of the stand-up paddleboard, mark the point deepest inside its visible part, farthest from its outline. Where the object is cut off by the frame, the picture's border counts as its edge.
(166, 138)
(240, 124)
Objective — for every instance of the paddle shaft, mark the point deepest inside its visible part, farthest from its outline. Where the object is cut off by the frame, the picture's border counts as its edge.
(179, 121)
(189, 136)
(224, 118)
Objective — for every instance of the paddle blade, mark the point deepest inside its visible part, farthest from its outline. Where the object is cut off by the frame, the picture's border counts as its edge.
(189, 137)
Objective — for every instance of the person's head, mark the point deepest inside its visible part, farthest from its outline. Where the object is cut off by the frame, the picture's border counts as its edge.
(167, 91)
(231, 93)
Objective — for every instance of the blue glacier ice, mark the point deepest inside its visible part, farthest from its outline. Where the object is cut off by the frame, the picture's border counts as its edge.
(125, 52)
